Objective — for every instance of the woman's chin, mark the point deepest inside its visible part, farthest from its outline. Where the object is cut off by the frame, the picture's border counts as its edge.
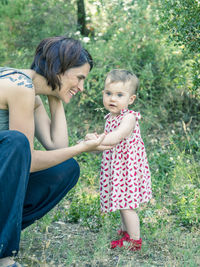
(66, 101)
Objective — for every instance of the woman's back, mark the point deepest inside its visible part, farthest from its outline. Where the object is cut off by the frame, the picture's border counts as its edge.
(13, 75)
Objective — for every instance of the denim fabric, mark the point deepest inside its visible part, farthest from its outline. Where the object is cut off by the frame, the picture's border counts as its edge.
(24, 196)
(4, 119)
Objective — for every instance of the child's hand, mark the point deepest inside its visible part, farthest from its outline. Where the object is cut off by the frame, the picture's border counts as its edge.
(93, 143)
(95, 136)
(91, 136)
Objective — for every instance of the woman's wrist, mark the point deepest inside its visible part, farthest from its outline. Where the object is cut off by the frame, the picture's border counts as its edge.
(53, 100)
(81, 147)
(55, 105)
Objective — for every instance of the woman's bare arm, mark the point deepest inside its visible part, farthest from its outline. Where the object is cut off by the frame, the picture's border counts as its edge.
(52, 133)
(21, 102)
(46, 159)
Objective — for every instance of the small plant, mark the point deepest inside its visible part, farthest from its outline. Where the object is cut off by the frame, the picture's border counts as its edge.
(187, 207)
(85, 209)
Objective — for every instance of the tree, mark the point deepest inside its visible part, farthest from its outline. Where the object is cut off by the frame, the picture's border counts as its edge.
(82, 26)
(181, 20)
(81, 17)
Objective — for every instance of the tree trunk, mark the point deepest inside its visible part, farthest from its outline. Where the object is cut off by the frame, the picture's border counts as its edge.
(81, 17)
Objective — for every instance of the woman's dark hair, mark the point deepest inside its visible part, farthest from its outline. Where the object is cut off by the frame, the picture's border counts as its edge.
(55, 55)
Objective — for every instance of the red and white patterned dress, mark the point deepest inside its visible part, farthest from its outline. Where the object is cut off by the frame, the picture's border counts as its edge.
(125, 179)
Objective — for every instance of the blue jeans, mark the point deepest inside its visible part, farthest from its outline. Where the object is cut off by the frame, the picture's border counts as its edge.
(24, 196)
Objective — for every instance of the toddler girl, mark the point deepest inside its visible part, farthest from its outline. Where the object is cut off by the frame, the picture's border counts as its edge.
(125, 180)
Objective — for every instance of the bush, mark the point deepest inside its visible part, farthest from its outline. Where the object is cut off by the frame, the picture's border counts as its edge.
(85, 209)
(187, 206)
(26, 22)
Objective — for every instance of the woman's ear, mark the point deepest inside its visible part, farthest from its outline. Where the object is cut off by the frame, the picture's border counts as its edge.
(132, 99)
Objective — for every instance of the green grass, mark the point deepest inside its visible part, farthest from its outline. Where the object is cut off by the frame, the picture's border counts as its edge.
(75, 245)
(74, 233)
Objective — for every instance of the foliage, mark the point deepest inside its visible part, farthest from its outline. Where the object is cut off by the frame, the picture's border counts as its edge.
(85, 209)
(185, 182)
(130, 39)
(127, 34)
(24, 23)
(181, 20)
(188, 206)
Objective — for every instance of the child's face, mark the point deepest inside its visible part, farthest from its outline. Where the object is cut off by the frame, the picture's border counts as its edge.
(117, 96)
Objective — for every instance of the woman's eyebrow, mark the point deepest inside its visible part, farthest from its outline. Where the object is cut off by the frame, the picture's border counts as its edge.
(81, 77)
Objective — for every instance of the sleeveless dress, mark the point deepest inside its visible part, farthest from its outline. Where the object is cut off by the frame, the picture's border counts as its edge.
(125, 179)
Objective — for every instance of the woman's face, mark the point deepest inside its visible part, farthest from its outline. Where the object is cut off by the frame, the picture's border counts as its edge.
(72, 82)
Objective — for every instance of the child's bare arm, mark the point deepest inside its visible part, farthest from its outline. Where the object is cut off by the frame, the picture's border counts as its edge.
(124, 130)
(111, 139)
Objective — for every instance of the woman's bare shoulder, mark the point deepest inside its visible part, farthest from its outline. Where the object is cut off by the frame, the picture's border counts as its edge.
(17, 78)
(13, 86)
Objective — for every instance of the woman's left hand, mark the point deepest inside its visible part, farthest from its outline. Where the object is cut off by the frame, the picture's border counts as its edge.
(95, 136)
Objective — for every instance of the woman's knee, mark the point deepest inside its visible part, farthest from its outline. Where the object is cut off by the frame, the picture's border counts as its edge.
(18, 140)
(75, 167)
(70, 172)
(74, 170)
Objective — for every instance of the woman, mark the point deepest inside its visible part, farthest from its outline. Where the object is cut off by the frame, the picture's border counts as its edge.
(33, 181)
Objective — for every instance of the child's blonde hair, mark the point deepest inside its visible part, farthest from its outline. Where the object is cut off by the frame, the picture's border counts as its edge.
(121, 75)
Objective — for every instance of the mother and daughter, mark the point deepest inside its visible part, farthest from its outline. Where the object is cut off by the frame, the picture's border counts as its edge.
(33, 181)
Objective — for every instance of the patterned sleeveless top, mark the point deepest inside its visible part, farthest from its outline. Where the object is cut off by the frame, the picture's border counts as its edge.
(21, 79)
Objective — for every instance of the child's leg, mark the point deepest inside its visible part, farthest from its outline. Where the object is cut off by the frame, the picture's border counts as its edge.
(132, 223)
(123, 227)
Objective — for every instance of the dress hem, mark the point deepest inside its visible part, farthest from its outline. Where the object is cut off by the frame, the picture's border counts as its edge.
(127, 208)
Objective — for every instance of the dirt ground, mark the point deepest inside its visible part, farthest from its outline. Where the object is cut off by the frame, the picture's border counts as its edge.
(65, 244)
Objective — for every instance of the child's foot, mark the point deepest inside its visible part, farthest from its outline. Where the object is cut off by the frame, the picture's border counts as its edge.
(135, 244)
(119, 243)
(130, 244)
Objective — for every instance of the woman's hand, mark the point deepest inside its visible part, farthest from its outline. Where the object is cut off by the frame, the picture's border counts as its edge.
(92, 143)
(95, 136)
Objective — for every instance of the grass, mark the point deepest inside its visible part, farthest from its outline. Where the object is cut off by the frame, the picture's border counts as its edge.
(75, 245)
(75, 234)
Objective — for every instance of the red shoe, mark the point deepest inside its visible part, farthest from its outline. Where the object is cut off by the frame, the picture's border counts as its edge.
(135, 244)
(119, 243)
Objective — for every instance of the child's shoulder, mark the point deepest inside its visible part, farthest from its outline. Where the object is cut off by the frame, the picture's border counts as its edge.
(123, 113)
(129, 112)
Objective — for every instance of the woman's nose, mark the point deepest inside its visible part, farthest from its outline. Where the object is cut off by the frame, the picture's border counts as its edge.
(80, 86)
